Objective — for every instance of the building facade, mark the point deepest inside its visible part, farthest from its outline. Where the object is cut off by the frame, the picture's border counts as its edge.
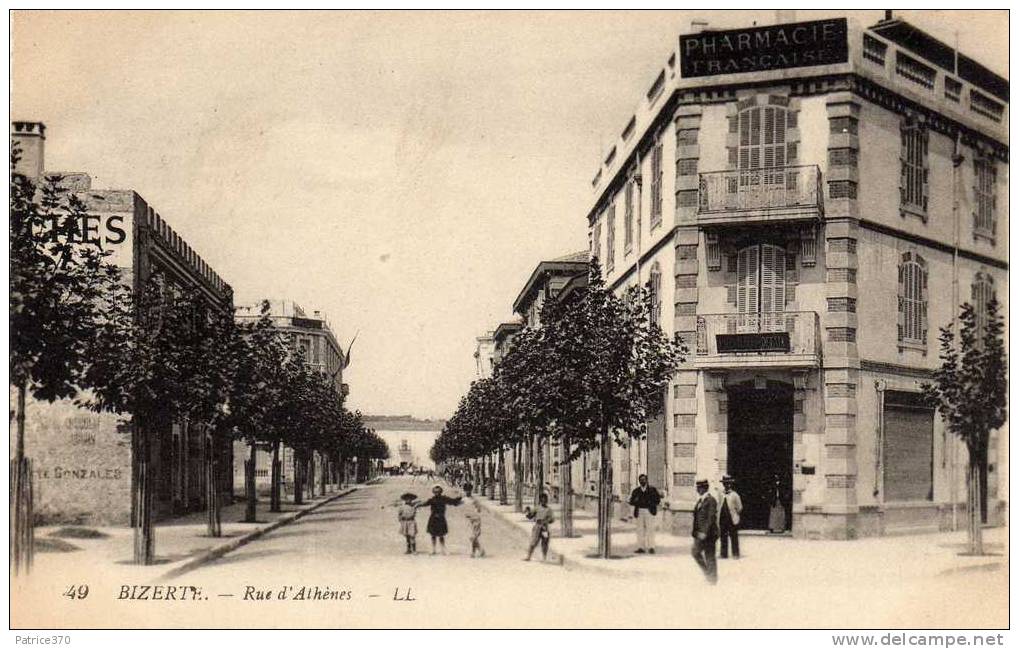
(83, 460)
(811, 201)
(484, 355)
(312, 337)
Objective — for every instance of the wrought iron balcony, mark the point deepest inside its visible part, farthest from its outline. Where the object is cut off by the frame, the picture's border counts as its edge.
(781, 339)
(772, 194)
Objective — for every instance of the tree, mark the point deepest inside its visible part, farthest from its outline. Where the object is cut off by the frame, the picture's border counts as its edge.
(969, 390)
(139, 369)
(612, 364)
(258, 355)
(57, 276)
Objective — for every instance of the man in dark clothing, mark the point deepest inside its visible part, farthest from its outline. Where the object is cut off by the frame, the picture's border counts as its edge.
(644, 500)
(705, 532)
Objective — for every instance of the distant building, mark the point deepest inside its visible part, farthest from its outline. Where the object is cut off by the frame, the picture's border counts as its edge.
(83, 460)
(484, 355)
(313, 337)
(409, 439)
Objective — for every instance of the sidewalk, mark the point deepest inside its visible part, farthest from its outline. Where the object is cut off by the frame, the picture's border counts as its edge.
(892, 558)
(181, 544)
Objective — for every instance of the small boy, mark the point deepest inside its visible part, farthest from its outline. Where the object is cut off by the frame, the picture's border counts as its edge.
(473, 514)
(542, 517)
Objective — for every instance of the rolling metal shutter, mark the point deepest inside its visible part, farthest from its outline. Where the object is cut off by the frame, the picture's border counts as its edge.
(908, 448)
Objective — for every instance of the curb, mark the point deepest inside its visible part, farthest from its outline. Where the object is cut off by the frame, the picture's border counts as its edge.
(555, 557)
(230, 546)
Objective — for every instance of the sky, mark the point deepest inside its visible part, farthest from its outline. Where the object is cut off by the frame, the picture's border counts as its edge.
(402, 172)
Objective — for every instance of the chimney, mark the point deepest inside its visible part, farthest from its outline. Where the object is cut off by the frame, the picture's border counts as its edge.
(30, 137)
(888, 14)
(698, 26)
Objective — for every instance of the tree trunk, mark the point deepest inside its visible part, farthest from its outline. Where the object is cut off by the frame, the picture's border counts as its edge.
(298, 479)
(275, 478)
(518, 474)
(490, 459)
(539, 470)
(144, 490)
(324, 467)
(22, 528)
(605, 498)
(565, 489)
(503, 495)
(250, 495)
(976, 537)
(212, 505)
(311, 474)
(19, 449)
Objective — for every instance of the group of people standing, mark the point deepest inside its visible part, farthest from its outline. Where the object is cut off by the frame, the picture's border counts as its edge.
(437, 526)
(713, 519)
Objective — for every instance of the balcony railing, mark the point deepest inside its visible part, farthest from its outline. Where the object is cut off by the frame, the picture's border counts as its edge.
(786, 339)
(775, 193)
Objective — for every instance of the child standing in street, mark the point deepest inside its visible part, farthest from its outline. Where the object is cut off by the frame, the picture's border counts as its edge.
(408, 526)
(542, 517)
(473, 514)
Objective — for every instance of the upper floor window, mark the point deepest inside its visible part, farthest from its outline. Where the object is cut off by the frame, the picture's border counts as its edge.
(913, 300)
(656, 185)
(655, 285)
(914, 176)
(596, 241)
(610, 238)
(982, 292)
(985, 176)
(762, 143)
(628, 219)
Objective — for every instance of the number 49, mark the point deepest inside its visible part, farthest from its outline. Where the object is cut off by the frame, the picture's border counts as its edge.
(76, 592)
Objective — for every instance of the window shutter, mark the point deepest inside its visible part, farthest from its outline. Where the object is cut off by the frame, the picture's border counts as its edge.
(994, 198)
(903, 166)
(924, 140)
(901, 301)
(924, 301)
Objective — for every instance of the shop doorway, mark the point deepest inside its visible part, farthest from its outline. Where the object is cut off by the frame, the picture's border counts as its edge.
(760, 452)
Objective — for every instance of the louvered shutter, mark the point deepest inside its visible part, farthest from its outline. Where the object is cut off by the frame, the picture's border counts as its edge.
(903, 164)
(922, 281)
(994, 199)
(772, 295)
(902, 302)
(747, 288)
(925, 161)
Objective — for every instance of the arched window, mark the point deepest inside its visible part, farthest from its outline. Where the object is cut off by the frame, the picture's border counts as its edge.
(655, 284)
(913, 299)
(982, 292)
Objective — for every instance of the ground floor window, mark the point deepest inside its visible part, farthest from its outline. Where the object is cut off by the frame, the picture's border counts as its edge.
(908, 448)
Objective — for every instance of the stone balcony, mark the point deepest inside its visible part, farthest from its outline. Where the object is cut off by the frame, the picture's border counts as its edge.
(739, 340)
(790, 193)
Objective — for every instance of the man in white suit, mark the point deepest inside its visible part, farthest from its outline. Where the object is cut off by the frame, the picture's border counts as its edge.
(730, 506)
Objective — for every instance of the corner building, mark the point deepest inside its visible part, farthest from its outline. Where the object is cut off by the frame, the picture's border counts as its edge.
(810, 202)
(84, 462)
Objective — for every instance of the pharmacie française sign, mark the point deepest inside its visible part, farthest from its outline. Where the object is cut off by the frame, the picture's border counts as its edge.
(818, 42)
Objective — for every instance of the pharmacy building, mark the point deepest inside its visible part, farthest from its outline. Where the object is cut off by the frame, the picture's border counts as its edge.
(810, 202)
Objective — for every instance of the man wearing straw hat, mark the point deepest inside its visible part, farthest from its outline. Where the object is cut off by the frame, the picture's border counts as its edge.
(705, 531)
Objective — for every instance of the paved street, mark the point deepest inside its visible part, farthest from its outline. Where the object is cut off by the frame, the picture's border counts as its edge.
(352, 545)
